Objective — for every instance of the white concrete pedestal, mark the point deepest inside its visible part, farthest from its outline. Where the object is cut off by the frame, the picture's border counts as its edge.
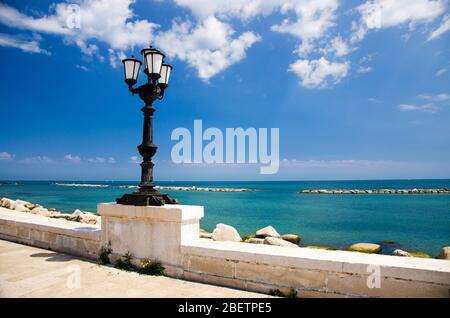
(153, 232)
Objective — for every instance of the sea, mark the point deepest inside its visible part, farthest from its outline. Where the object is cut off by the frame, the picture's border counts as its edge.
(414, 222)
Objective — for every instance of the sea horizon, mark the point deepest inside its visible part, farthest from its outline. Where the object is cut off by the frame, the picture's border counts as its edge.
(235, 181)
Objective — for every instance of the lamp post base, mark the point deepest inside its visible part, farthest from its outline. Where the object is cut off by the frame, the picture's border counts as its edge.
(146, 197)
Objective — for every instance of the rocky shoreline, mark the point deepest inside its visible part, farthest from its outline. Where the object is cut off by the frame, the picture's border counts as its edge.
(193, 188)
(33, 208)
(378, 191)
(269, 236)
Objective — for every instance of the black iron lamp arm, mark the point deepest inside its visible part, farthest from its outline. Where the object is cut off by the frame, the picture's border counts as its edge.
(141, 88)
(133, 90)
(161, 94)
(148, 92)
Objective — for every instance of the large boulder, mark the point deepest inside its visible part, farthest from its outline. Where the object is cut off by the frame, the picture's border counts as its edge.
(365, 248)
(21, 208)
(82, 217)
(41, 211)
(278, 242)
(32, 206)
(58, 215)
(254, 240)
(267, 231)
(419, 254)
(291, 238)
(76, 216)
(248, 236)
(24, 203)
(206, 235)
(28, 206)
(444, 253)
(399, 252)
(224, 232)
(7, 203)
(91, 218)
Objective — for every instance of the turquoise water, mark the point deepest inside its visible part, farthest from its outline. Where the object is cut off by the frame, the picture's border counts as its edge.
(413, 222)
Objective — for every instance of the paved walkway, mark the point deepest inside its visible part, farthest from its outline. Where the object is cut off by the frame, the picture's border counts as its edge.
(33, 272)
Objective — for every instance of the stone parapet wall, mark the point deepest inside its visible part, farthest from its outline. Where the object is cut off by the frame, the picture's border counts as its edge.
(58, 235)
(314, 273)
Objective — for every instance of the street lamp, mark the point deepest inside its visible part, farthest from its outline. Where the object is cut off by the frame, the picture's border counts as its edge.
(158, 79)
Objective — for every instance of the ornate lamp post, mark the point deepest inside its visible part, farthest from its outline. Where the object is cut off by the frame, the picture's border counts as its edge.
(158, 78)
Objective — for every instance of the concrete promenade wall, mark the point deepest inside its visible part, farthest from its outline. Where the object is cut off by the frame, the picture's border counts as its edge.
(58, 235)
(313, 272)
(170, 234)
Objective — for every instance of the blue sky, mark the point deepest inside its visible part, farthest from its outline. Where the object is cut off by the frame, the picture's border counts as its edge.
(359, 90)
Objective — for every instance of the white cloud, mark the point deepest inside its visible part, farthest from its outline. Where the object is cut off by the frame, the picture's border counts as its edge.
(312, 20)
(444, 27)
(201, 44)
(435, 98)
(208, 46)
(242, 9)
(71, 158)
(338, 47)
(108, 21)
(380, 14)
(374, 100)
(319, 73)
(312, 24)
(6, 156)
(24, 45)
(442, 71)
(367, 58)
(111, 21)
(306, 20)
(47, 24)
(334, 163)
(133, 159)
(115, 57)
(96, 160)
(364, 69)
(430, 107)
(361, 169)
(101, 160)
(37, 159)
(427, 108)
(83, 68)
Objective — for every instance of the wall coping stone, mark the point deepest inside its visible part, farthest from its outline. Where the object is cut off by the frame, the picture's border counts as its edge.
(167, 213)
(46, 224)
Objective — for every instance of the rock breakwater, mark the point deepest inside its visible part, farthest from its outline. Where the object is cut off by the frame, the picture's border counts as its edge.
(193, 188)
